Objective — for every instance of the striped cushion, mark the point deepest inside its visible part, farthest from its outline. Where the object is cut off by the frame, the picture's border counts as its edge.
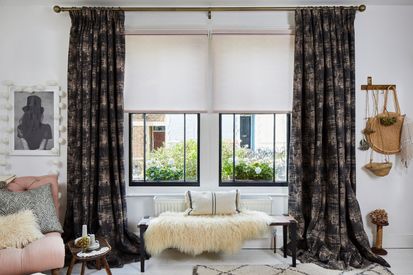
(212, 203)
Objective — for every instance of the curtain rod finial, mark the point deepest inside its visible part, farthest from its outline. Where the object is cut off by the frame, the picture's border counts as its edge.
(362, 8)
(57, 9)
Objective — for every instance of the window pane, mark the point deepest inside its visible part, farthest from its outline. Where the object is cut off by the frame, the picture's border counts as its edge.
(165, 147)
(191, 172)
(281, 147)
(227, 137)
(137, 146)
(254, 147)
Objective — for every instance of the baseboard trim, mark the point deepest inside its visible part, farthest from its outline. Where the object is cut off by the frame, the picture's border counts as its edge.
(397, 240)
(389, 241)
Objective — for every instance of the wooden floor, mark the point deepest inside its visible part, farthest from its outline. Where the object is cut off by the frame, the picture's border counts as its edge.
(172, 262)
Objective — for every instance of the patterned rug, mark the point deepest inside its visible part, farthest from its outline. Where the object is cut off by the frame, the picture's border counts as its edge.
(301, 269)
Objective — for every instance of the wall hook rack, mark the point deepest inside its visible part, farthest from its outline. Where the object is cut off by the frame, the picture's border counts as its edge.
(376, 87)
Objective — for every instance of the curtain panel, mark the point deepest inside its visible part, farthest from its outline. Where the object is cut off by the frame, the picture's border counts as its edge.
(95, 183)
(322, 178)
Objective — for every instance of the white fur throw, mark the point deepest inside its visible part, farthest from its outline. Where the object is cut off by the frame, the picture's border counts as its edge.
(197, 234)
(19, 229)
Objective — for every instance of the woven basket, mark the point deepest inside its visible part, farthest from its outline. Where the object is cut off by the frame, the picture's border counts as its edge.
(379, 169)
(385, 139)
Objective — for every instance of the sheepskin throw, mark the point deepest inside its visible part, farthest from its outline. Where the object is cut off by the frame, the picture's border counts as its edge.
(19, 229)
(197, 234)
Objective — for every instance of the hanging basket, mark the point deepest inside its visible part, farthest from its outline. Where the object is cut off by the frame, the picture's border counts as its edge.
(379, 169)
(383, 131)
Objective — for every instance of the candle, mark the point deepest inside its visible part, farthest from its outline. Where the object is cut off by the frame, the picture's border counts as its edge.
(84, 230)
(92, 239)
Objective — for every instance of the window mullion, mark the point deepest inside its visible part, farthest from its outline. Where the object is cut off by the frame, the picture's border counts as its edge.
(273, 149)
(144, 147)
(287, 160)
(184, 147)
(233, 148)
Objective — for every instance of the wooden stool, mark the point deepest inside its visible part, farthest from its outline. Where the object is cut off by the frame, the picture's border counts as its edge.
(100, 259)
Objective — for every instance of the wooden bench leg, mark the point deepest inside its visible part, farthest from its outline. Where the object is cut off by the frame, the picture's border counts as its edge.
(275, 243)
(285, 227)
(142, 229)
(55, 271)
(294, 242)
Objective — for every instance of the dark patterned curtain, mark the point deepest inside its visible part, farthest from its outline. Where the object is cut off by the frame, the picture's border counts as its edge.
(322, 158)
(95, 181)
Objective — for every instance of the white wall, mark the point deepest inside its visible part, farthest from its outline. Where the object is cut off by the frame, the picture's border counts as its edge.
(33, 49)
(384, 51)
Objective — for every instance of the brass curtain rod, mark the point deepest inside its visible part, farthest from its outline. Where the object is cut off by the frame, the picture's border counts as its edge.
(59, 9)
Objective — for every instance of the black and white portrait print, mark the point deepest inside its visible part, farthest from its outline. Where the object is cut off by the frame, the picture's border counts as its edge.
(34, 120)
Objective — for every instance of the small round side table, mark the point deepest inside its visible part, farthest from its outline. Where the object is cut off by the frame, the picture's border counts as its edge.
(100, 259)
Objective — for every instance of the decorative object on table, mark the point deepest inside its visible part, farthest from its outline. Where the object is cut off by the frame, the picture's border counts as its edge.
(33, 120)
(83, 243)
(383, 130)
(99, 256)
(284, 269)
(87, 241)
(94, 244)
(84, 230)
(379, 218)
(406, 143)
(91, 253)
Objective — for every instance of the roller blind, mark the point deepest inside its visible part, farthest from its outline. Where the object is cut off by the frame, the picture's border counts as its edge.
(252, 73)
(166, 73)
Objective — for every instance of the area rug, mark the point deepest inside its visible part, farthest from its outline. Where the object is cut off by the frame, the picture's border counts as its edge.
(301, 269)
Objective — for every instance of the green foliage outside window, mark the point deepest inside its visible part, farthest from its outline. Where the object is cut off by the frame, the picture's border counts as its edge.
(249, 164)
(167, 162)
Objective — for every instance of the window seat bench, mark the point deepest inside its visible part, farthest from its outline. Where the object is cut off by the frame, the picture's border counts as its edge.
(284, 221)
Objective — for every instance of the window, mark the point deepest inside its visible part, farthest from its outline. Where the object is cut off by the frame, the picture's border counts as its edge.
(164, 149)
(253, 149)
(240, 83)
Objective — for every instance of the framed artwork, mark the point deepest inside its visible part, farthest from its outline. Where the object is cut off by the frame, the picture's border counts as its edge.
(35, 121)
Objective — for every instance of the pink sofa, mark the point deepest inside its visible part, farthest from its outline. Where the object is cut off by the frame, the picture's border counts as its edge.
(45, 254)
